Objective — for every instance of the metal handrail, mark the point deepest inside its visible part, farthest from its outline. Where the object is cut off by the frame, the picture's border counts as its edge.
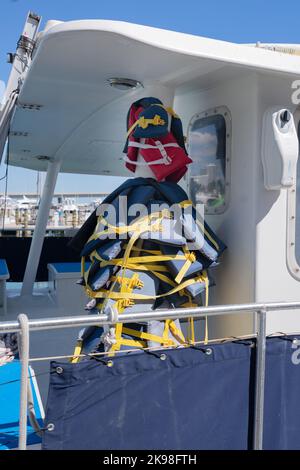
(24, 325)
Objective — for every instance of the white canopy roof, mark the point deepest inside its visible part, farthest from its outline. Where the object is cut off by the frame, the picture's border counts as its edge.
(79, 118)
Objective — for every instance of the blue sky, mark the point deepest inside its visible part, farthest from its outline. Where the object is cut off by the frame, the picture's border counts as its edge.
(231, 20)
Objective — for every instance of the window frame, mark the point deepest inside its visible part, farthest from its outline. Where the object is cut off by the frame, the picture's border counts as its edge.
(225, 113)
(291, 259)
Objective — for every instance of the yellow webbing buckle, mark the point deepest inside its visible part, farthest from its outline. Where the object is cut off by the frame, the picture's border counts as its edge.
(77, 352)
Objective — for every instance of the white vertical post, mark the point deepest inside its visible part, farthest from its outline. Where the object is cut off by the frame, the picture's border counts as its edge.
(23, 344)
(260, 381)
(40, 228)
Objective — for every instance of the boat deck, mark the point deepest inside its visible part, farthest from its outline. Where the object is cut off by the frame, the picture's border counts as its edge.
(57, 342)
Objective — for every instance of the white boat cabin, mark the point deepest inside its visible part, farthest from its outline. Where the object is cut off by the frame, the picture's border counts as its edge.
(239, 109)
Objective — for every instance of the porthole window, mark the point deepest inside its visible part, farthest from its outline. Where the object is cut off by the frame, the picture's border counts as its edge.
(209, 146)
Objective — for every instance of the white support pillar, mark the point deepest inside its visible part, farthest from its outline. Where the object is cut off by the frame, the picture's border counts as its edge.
(40, 228)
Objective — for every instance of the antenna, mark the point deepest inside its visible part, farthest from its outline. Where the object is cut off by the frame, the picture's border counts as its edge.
(20, 61)
(23, 55)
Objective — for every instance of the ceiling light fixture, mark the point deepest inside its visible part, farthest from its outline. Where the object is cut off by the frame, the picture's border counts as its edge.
(124, 84)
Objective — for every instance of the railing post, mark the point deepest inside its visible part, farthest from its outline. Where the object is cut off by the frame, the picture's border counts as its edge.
(260, 381)
(24, 358)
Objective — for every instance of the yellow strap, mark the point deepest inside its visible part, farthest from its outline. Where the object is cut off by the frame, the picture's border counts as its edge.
(132, 283)
(143, 250)
(77, 352)
(136, 226)
(143, 226)
(168, 109)
(121, 305)
(133, 266)
(156, 121)
(139, 334)
(118, 329)
(167, 280)
(112, 230)
(176, 332)
(124, 296)
(188, 203)
(132, 342)
(130, 244)
(117, 295)
(116, 345)
(131, 228)
(172, 112)
(190, 259)
(139, 227)
(148, 267)
(188, 256)
(166, 330)
(144, 123)
(192, 329)
(170, 326)
(191, 304)
(148, 336)
(164, 278)
(191, 324)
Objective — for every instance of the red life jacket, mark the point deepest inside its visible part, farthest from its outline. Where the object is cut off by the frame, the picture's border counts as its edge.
(161, 150)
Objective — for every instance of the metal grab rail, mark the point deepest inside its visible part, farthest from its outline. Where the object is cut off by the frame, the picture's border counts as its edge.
(24, 325)
(195, 312)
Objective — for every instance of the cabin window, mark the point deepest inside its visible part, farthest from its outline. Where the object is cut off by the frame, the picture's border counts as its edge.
(209, 137)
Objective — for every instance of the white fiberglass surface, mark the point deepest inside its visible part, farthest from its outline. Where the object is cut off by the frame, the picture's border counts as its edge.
(80, 118)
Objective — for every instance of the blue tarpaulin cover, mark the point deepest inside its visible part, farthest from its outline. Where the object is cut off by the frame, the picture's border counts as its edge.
(188, 399)
(282, 394)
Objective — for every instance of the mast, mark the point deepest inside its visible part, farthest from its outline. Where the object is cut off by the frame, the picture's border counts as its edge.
(20, 61)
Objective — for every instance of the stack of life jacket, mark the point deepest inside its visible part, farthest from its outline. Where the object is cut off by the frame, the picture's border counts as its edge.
(156, 259)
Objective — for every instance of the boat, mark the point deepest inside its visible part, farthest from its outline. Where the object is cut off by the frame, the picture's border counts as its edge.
(64, 111)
